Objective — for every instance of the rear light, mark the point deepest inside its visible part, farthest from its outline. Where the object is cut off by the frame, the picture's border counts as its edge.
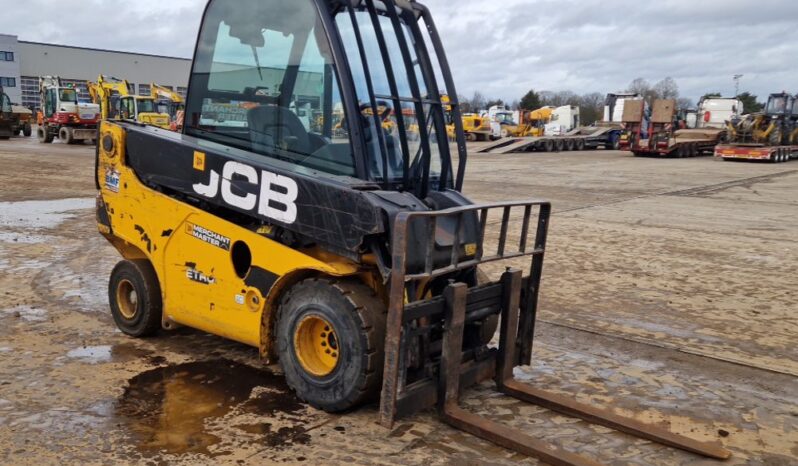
(707, 116)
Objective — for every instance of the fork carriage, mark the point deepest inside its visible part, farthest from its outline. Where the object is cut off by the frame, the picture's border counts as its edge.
(434, 329)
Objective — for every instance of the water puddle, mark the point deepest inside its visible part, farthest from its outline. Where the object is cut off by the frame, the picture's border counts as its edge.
(107, 353)
(92, 354)
(41, 214)
(26, 313)
(171, 409)
(23, 238)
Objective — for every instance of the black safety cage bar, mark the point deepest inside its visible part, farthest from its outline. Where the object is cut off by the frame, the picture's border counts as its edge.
(407, 14)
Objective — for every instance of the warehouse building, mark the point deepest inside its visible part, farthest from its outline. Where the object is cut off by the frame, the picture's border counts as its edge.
(22, 62)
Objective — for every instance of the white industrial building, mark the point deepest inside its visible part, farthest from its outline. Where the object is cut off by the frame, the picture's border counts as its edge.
(22, 62)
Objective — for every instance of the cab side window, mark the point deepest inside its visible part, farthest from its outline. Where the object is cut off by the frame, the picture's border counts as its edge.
(264, 81)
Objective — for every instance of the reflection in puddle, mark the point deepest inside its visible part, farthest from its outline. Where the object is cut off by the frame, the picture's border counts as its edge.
(166, 409)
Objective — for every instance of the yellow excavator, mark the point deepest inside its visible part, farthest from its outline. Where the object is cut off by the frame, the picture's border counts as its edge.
(118, 103)
(170, 103)
(350, 258)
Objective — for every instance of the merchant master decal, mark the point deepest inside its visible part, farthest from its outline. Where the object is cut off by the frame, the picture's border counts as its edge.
(210, 237)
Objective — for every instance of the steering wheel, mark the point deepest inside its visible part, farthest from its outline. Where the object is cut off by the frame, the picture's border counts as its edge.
(384, 115)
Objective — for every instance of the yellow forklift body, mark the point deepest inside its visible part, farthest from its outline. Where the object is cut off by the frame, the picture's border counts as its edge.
(192, 253)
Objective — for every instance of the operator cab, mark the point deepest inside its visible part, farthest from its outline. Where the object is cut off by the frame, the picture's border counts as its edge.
(5, 102)
(256, 59)
(779, 104)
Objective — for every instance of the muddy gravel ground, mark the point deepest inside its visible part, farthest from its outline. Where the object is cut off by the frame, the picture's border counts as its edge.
(669, 294)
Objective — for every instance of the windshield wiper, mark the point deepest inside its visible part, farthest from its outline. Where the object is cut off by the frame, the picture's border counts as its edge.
(257, 61)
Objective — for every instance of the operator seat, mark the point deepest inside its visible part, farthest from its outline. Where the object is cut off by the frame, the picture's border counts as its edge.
(272, 127)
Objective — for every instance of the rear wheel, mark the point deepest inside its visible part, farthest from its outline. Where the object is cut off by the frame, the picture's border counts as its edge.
(558, 145)
(27, 131)
(548, 145)
(569, 144)
(330, 339)
(580, 144)
(135, 297)
(44, 135)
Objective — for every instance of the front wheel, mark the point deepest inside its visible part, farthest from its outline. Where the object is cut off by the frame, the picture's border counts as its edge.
(330, 341)
(135, 297)
(65, 135)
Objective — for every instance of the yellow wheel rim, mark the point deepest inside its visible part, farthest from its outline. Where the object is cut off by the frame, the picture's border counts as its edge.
(316, 346)
(127, 299)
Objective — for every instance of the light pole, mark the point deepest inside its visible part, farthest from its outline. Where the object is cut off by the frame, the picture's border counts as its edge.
(737, 84)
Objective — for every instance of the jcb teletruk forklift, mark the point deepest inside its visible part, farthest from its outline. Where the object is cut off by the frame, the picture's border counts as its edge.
(349, 255)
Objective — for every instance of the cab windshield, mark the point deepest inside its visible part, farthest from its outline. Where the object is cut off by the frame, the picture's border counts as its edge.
(265, 80)
(69, 95)
(5, 103)
(506, 118)
(147, 106)
(777, 105)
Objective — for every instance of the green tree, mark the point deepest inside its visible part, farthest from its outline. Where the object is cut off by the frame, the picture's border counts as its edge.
(750, 104)
(493, 102)
(712, 95)
(531, 101)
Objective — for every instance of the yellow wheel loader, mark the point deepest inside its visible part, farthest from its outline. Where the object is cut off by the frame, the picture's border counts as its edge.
(350, 258)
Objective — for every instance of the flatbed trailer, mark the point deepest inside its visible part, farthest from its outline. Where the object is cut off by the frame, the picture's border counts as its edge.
(660, 135)
(753, 152)
(584, 138)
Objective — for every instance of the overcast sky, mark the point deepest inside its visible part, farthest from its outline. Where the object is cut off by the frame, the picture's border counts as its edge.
(503, 47)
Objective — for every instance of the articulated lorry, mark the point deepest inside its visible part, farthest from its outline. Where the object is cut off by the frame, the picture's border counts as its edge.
(771, 135)
(14, 119)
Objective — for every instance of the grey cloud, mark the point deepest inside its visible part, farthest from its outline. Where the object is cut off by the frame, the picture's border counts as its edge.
(504, 48)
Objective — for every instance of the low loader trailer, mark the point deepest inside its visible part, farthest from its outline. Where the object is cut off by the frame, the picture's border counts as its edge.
(753, 152)
(584, 138)
(771, 135)
(662, 136)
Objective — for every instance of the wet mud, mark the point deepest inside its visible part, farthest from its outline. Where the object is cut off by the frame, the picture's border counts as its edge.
(664, 298)
(166, 409)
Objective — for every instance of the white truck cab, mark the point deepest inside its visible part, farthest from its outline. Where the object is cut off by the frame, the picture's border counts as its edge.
(714, 112)
(613, 105)
(563, 120)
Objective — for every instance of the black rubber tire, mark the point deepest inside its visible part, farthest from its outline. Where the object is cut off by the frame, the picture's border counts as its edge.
(146, 321)
(558, 145)
(27, 130)
(358, 317)
(548, 145)
(616, 143)
(579, 145)
(44, 135)
(568, 145)
(65, 135)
